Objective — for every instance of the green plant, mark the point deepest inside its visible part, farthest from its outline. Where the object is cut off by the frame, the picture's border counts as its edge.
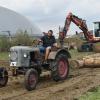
(4, 43)
(22, 38)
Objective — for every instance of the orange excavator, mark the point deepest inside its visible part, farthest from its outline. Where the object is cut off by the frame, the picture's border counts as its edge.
(90, 38)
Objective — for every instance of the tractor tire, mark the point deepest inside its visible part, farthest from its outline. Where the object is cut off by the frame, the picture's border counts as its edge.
(61, 68)
(3, 77)
(31, 79)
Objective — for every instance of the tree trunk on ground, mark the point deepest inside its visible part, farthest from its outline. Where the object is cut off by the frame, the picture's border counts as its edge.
(88, 61)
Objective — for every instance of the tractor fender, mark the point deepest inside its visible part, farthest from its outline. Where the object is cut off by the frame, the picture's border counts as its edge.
(54, 54)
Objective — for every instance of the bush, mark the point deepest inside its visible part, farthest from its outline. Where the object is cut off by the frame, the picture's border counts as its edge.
(4, 43)
(22, 38)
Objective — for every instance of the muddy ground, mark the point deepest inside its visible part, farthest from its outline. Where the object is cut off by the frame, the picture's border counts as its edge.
(78, 82)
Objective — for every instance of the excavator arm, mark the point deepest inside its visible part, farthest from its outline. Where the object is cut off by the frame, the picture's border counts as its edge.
(81, 24)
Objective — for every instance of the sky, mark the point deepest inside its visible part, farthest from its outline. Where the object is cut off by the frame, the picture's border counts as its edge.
(50, 14)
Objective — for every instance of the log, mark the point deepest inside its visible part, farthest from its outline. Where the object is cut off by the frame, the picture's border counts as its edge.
(88, 62)
(76, 64)
(96, 55)
(92, 60)
(97, 62)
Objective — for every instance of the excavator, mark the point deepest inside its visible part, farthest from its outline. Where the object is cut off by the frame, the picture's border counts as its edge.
(90, 38)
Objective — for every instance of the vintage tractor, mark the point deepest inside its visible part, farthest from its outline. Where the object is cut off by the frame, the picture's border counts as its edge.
(28, 61)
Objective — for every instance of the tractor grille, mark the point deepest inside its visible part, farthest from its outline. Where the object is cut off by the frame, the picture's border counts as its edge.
(13, 55)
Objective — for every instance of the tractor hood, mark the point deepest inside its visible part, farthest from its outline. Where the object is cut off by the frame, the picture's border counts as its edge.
(26, 48)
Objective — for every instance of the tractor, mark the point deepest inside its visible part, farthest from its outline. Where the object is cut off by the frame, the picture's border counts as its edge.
(28, 61)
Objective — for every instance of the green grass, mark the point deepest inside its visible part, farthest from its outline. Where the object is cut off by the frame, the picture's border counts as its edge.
(78, 55)
(97, 44)
(93, 94)
(4, 55)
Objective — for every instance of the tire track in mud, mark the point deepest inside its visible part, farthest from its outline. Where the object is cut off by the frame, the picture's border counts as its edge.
(81, 81)
(48, 89)
(15, 87)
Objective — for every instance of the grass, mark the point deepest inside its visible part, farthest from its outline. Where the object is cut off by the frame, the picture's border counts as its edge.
(92, 94)
(78, 55)
(4, 55)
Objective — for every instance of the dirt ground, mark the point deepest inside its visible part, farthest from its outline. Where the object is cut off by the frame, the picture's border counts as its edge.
(78, 82)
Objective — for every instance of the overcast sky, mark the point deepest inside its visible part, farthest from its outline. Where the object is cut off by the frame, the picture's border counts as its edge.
(49, 14)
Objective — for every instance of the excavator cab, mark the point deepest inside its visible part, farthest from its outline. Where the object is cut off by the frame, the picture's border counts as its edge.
(97, 29)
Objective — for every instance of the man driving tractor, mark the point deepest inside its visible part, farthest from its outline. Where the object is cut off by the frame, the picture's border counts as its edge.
(48, 41)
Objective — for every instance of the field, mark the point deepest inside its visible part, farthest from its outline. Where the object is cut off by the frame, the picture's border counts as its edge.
(81, 85)
(4, 55)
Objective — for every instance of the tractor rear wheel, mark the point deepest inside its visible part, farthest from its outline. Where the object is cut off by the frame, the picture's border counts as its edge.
(31, 79)
(3, 77)
(61, 68)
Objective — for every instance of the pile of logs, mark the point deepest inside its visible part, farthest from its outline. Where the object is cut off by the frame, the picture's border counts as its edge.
(87, 61)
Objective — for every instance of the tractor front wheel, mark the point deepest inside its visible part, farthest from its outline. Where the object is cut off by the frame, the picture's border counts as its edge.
(31, 79)
(3, 77)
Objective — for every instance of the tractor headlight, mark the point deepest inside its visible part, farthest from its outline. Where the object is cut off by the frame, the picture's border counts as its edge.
(9, 56)
(25, 55)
